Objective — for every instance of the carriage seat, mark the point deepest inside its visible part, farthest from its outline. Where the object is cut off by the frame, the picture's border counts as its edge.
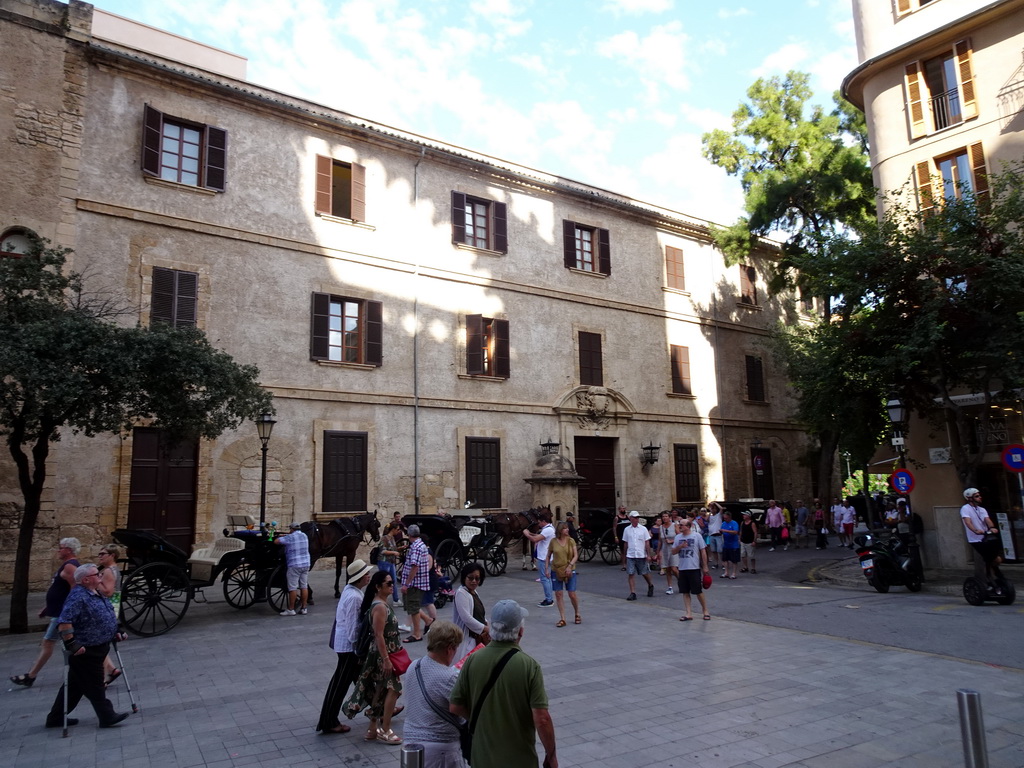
(205, 559)
(467, 533)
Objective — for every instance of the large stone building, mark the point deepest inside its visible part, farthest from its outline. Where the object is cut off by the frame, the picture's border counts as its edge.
(941, 83)
(425, 316)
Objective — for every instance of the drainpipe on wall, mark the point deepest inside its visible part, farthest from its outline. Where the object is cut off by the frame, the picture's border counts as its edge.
(416, 346)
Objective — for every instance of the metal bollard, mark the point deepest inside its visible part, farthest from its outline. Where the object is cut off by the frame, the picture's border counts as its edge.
(972, 728)
(412, 756)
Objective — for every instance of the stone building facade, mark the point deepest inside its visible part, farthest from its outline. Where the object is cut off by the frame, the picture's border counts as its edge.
(425, 316)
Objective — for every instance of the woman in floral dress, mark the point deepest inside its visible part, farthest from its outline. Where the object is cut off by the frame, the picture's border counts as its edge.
(378, 685)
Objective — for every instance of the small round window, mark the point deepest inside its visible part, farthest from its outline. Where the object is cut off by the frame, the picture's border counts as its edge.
(18, 241)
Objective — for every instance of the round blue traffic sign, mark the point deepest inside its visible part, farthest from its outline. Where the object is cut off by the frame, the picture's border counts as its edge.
(902, 481)
(1013, 458)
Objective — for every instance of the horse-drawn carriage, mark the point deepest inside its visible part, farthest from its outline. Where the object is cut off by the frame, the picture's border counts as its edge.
(161, 580)
(597, 534)
(457, 540)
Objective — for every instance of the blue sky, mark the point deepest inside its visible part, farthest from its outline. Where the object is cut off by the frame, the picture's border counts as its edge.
(614, 93)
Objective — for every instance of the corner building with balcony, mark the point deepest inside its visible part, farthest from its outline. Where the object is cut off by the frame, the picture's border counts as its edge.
(425, 316)
(941, 83)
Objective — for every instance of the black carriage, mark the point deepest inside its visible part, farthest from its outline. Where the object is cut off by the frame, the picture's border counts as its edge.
(597, 534)
(160, 580)
(457, 540)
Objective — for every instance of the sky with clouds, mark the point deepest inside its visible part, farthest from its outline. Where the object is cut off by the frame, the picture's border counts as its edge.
(613, 93)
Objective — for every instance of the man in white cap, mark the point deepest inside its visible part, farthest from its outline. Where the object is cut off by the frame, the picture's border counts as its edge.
(296, 557)
(637, 539)
(343, 641)
(500, 691)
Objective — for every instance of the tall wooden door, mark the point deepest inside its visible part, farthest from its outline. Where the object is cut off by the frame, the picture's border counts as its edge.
(595, 462)
(761, 466)
(162, 497)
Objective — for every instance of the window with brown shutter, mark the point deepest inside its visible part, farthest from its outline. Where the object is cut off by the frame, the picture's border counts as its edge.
(347, 330)
(479, 223)
(680, 358)
(340, 189)
(674, 273)
(755, 379)
(585, 248)
(591, 364)
(748, 285)
(344, 471)
(487, 347)
(940, 90)
(686, 460)
(174, 298)
(183, 152)
(483, 472)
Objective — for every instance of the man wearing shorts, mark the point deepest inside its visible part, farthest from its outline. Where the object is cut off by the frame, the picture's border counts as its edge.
(637, 541)
(800, 530)
(415, 581)
(296, 556)
(849, 522)
(693, 564)
(715, 535)
(730, 546)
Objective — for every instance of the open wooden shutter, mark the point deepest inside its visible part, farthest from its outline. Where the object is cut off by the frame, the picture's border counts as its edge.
(474, 345)
(502, 367)
(604, 252)
(748, 281)
(681, 370)
(499, 215)
(915, 103)
(903, 7)
(358, 192)
(322, 203)
(186, 298)
(215, 165)
(152, 130)
(968, 100)
(755, 379)
(458, 217)
(976, 155)
(320, 334)
(569, 243)
(925, 195)
(674, 275)
(374, 333)
(161, 308)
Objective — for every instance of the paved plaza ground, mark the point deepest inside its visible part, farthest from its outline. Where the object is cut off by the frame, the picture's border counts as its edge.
(631, 687)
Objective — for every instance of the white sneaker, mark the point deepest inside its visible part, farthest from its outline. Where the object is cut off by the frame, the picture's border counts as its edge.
(404, 628)
(286, 612)
(303, 611)
(786, 548)
(771, 549)
(669, 591)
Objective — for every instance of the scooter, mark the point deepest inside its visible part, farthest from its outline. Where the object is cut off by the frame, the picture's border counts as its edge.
(887, 562)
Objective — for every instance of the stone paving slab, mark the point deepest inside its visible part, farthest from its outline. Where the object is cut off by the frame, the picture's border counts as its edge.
(631, 687)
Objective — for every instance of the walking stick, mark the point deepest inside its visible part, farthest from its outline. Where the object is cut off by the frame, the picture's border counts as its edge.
(67, 665)
(124, 674)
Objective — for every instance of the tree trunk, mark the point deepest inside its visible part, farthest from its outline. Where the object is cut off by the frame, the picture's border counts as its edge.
(31, 480)
(829, 440)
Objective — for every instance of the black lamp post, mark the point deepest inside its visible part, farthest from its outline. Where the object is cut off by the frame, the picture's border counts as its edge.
(898, 416)
(264, 426)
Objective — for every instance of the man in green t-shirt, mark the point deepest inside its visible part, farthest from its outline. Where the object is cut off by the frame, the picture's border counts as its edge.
(515, 711)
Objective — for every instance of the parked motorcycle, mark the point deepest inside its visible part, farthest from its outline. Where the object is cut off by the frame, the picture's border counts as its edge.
(887, 562)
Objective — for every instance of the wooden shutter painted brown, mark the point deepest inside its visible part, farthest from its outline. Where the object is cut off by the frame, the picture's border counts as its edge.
(604, 245)
(162, 301)
(322, 198)
(687, 466)
(499, 214)
(748, 283)
(174, 298)
(186, 298)
(591, 362)
(502, 362)
(458, 217)
(681, 370)
(320, 327)
(358, 192)
(474, 345)
(483, 471)
(915, 103)
(374, 333)
(216, 163)
(345, 477)
(968, 99)
(903, 7)
(152, 131)
(755, 379)
(674, 275)
(925, 196)
(569, 243)
(976, 155)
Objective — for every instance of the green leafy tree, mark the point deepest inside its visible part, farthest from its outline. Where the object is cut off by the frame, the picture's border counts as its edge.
(66, 364)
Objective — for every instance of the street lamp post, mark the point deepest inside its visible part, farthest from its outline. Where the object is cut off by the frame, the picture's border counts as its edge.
(898, 416)
(264, 426)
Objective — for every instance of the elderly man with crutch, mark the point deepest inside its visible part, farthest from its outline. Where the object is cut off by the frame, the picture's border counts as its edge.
(87, 625)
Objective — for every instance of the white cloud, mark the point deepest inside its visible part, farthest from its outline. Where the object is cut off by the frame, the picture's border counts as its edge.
(727, 13)
(782, 60)
(633, 7)
(658, 59)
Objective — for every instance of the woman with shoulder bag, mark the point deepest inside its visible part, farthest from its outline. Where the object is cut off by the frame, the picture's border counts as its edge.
(470, 616)
(562, 557)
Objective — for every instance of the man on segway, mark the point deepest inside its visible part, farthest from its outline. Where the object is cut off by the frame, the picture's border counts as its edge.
(982, 535)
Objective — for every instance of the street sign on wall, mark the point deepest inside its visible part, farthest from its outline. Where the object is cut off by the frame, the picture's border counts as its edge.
(902, 481)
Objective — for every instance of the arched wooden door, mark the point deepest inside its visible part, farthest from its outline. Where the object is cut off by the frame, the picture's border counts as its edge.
(162, 496)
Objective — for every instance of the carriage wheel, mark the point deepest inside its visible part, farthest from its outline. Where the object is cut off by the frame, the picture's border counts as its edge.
(240, 586)
(588, 548)
(154, 598)
(611, 550)
(277, 588)
(449, 557)
(496, 560)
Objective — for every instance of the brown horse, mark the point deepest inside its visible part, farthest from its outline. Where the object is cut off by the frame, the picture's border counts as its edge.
(510, 525)
(339, 539)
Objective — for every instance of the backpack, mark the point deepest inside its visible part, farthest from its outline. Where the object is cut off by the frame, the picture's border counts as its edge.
(364, 634)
